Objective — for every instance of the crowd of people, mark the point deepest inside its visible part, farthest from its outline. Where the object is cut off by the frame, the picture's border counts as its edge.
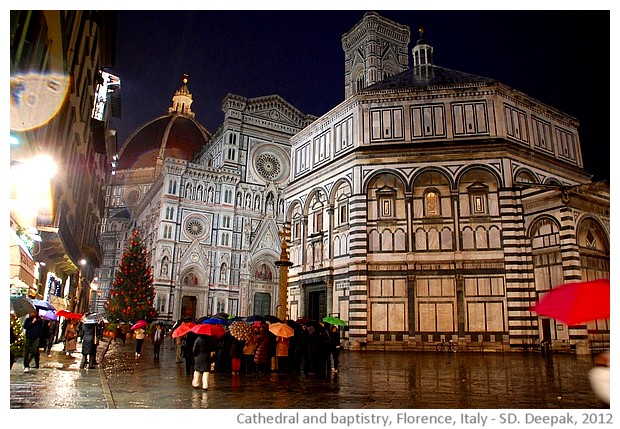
(313, 350)
(40, 334)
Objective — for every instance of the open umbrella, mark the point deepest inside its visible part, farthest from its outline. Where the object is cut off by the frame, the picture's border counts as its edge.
(208, 329)
(281, 330)
(214, 321)
(576, 303)
(334, 321)
(241, 330)
(68, 314)
(272, 319)
(21, 305)
(254, 318)
(42, 305)
(183, 329)
(48, 314)
(90, 318)
(139, 324)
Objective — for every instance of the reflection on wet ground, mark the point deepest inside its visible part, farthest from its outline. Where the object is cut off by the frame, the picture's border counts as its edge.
(367, 380)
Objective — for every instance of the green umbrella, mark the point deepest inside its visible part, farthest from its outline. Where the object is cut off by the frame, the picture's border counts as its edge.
(334, 321)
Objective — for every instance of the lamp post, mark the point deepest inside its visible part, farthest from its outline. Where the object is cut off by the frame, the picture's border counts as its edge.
(81, 287)
(284, 263)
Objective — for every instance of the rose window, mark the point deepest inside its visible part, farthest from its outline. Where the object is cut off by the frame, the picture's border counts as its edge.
(194, 227)
(268, 166)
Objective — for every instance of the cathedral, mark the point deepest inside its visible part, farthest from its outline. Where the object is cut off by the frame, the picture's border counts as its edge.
(431, 204)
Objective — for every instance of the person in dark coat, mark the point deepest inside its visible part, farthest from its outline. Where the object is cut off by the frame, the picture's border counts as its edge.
(158, 338)
(53, 325)
(89, 345)
(334, 339)
(33, 325)
(188, 352)
(204, 355)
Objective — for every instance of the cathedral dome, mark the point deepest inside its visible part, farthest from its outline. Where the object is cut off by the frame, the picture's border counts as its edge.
(174, 135)
(169, 136)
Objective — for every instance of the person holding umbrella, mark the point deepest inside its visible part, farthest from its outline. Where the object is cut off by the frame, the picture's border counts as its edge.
(140, 334)
(203, 351)
(89, 345)
(71, 335)
(33, 325)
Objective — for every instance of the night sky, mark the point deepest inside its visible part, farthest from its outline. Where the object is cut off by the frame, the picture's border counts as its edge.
(558, 57)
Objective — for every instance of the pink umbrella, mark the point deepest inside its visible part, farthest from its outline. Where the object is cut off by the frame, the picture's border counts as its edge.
(139, 324)
(576, 303)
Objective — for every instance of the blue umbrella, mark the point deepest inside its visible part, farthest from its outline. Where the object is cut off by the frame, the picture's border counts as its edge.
(42, 305)
(48, 314)
(213, 321)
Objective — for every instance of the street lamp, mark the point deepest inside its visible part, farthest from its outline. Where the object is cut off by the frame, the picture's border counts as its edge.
(81, 286)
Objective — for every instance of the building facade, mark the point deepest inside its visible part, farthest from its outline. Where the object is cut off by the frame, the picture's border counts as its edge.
(434, 204)
(430, 204)
(209, 211)
(57, 62)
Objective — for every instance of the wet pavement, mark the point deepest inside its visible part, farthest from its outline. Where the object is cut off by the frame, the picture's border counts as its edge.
(367, 380)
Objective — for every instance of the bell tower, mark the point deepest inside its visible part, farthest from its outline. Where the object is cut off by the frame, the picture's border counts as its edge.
(375, 48)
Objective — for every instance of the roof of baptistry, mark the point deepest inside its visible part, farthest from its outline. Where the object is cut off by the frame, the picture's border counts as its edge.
(175, 135)
(428, 75)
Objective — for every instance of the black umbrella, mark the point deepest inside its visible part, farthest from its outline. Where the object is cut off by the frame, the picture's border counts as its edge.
(20, 306)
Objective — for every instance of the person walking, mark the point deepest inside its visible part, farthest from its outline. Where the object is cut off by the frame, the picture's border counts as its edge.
(53, 325)
(158, 339)
(188, 352)
(140, 335)
(334, 351)
(33, 325)
(124, 331)
(204, 354)
(90, 340)
(71, 335)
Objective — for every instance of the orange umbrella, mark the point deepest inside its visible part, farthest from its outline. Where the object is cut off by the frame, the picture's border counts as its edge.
(576, 303)
(183, 329)
(281, 330)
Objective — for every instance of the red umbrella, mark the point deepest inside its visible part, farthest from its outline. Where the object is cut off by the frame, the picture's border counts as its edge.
(208, 329)
(139, 324)
(183, 329)
(68, 314)
(576, 303)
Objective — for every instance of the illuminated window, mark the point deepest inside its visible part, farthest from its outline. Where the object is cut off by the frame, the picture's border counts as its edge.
(431, 204)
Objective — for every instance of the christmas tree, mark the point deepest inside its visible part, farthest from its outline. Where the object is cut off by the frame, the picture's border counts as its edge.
(132, 295)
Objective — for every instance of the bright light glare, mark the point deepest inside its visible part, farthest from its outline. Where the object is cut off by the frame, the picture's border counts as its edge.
(31, 195)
